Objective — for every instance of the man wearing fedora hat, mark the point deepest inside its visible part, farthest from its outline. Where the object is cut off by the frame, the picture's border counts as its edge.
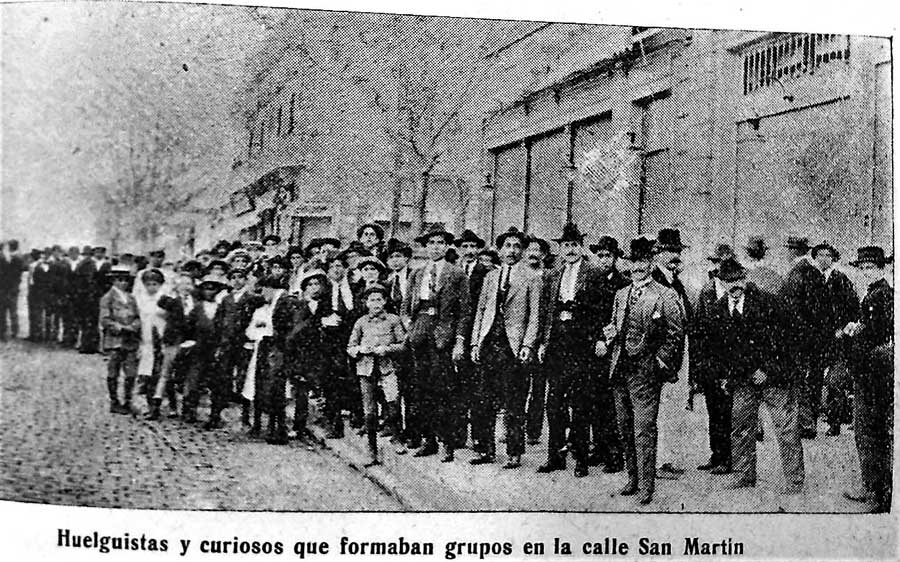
(646, 339)
(745, 348)
(567, 346)
(667, 254)
(873, 381)
(437, 310)
(504, 338)
(841, 307)
(804, 295)
(469, 244)
(606, 448)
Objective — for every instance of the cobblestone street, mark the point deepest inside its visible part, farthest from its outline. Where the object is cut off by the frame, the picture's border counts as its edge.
(60, 445)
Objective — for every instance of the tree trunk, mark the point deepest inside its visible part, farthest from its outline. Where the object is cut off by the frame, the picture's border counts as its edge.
(421, 208)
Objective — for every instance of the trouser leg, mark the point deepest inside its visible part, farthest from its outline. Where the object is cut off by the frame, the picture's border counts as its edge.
(645, 395)
(719, 409)
(625, 421)
(113, 366)
(446, 385)
(607, 446)
(301, 404)
(129, 366)
(514, 394)
(485, 406)
(536, 399)
(424, 391)
(783, 408)
(557, 413)
(745, 411)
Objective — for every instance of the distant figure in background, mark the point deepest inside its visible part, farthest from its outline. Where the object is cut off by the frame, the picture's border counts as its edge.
(36, 295)
(11, 267)
(371, 237)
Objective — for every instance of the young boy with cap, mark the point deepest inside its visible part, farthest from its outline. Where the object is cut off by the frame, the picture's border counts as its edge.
(375, 339)
(121, 325)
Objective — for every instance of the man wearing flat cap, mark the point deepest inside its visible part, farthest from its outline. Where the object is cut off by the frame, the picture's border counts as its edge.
(745, 347)
(437, 310)
(841, 307)
(645, 339)
(873, 381)
(567, 348)
(805, 298)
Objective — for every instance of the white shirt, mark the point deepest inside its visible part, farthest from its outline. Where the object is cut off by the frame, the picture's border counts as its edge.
(313, 306)
(569, 278)
(469, 267)
(720, 287)
(209, 308)
(738, 304)
(434, 268)
(667, 273)
(341, 289)
(504, 274)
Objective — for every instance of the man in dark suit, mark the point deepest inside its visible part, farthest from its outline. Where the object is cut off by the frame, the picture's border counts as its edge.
(746, 349)
(504, 338)
(90, 275)
(59, 277)
(567, 349)
(536, 252)
(70, 316)
(469, 244)
(397, 255)
(646, 340)
(436, 309)
(668, 249)
(805, 298)
(702, 373)
(36, 295)
(11, 268)
(606, 446)
(873, 381)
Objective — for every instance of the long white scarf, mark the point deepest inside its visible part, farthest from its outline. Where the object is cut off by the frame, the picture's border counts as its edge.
(260, 327)
(152, 318)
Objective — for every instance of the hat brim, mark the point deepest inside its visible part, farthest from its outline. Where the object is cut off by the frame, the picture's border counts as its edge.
(596, 248)
(478, 242)
(448, 237)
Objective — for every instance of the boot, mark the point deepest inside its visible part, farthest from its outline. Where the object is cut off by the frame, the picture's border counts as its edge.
(372, 438)
(245, 412)
(173, 401)
(126, 404)
(155, 404)
(394, 423)
(257, 420)
(112, 385)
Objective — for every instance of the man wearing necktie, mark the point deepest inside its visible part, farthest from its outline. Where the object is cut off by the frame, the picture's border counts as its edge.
(468, 244)
(646, 339)
(436, 308)
(745, 348)
(567, 349)
(504, 336)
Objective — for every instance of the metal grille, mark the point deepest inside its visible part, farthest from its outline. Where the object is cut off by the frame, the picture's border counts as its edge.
(791, 55)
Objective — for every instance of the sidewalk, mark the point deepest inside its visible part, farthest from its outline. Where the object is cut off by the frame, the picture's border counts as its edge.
(426, 484)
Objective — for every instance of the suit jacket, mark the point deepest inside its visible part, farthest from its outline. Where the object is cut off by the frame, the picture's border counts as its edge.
(586, 308)
(304, 346)
(873, 347)
(658, 317)
(678, 287)
(233, 317)
(395, 306)
(120, 321)
(451, 299)
(203, 330)
(522, 307)
(806, 301)
(736, 348)
(698, 330)
(59, 280)
(476, 281)
(766, 279)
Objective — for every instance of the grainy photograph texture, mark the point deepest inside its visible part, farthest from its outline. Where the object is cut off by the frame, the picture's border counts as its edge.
(290, 260)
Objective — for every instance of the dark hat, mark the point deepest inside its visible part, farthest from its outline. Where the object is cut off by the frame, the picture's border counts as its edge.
(252, 245)
(328, 240)
(607, 244)
(641, 249)
(236, 271)
(56, 248)
(756, 247)
(294, 250)
(190, 265)
(35, 253)
(797, 243)
(152, 275)
(126, 257)
(157, 253)
(379, 232)
(495, 257)
(451, 256)
(669, 240)
(73, 249)
(273, 237)
(86, 250)
(218, 263)
(721, 252)
(395, 246)
(871, 254)
(214, 280)
(544, 245)
(223, 244)
(376, 288)
(511, 232)
(436, 231)
(826, 247)
(730, 270)
(570, 233)
(469, 236)
(279, 261)
(371, 260)
(99, 250)
(313, 274)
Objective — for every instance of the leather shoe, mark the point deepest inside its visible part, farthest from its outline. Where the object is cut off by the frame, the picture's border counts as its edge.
(833, 431)
(550, 466)
(513, 462)
(428, 450)
(645, 497)
(630, 489)
(581, 470)
(594, 460)
(483, 459)
(708, 466)
(721, 469)
(740, 483)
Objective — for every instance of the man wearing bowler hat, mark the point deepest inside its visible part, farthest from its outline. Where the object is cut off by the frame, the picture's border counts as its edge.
(841, 307)
(667, 249)
(873, 381)
(606, 448)
(468, 245)
(804, 295)
(745, 349)
(567, 349)
(646, 340)
(437, 309)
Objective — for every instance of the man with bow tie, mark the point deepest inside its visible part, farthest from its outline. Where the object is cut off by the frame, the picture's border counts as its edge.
(437, 310)
(504, 337)
(646, 340)
(567, 348)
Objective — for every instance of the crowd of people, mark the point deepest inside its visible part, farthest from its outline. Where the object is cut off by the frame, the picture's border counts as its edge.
(427, 346)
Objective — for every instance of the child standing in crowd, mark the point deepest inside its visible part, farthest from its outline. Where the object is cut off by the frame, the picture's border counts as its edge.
(259, 338)
(169, 347)
(201, 335)
(153, 324)
(375, 339)
(121, 324)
